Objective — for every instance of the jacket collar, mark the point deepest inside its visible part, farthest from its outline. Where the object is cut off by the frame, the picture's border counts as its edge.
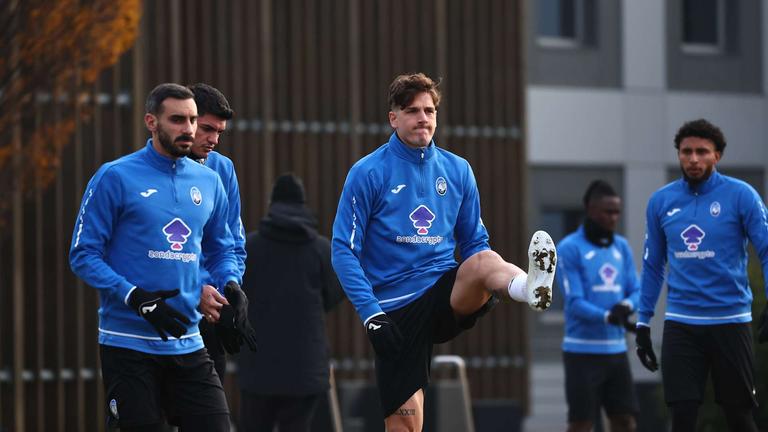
(408, 153)
(163, 163)
(713, 181)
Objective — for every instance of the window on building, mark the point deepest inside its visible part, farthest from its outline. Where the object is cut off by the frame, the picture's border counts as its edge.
(703, 26)
(560, 23)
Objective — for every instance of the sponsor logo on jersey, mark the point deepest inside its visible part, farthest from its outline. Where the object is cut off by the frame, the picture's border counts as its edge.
(693, 236)
(421, 218)
(441, 186)
(197, 197)
(176, 233)
(608, 274)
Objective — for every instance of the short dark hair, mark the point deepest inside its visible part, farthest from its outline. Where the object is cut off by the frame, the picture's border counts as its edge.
(405, 87)
(596, 190)
(164, 91)
(701, 129)
(210, 100)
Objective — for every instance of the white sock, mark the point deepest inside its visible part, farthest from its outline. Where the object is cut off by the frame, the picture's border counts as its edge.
(517, 288)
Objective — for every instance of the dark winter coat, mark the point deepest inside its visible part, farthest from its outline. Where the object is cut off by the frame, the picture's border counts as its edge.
(290, 285)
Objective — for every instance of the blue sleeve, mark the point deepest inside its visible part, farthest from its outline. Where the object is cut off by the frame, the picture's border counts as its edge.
(755, 217)
(218, 243)
(632, 284)
(569, 278)
(235, 222)
(99, 212)
(471, 235)
(352, 216)
(654, 261)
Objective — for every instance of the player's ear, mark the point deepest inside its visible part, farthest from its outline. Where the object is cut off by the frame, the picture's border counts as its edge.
(150, 121)
(393, 119)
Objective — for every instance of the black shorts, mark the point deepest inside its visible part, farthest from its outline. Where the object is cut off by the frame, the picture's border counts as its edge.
(142, 389)
(690, 352)
(426, 321)
(598, 380)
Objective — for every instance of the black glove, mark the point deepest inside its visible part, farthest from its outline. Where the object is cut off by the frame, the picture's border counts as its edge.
(645, 348)
(230, 337)
(385, 337)
(619, 313)
(630, 326)
(152, 307)
(763, 327)
(239, 302)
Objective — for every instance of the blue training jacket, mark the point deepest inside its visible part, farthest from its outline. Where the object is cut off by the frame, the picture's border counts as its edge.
(143, 222)
(702, 234)
(401, 214)
(593, 279)
(226, 171)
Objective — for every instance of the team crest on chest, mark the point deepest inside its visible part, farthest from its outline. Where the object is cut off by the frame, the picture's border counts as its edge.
(197, 197)
(441, 186)
(714, 209)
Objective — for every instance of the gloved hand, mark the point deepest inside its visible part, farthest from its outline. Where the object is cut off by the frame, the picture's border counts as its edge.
(239, 303)
(763, 327)
(619, 313)
(385, 337)
(230, 337)
(630, 326)
(151, 306)
(645, 348)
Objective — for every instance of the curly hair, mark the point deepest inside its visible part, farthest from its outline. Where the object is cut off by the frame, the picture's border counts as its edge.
(701, 129)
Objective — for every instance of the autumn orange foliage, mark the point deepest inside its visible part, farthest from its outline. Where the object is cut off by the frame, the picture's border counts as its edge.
(56, 49)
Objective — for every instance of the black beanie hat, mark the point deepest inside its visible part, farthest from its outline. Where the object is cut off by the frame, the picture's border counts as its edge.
(288, 188)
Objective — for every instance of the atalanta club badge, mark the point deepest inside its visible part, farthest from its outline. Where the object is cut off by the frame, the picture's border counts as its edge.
(714, 209)
(197, 197)
(441, 186)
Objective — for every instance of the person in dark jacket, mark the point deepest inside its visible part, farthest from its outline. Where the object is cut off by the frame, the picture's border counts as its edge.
(291, 285)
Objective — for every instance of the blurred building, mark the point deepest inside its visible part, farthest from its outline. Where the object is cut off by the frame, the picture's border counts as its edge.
(608, 85)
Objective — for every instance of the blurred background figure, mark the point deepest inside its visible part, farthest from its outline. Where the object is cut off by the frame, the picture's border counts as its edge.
(600, 290)
(697, 232)
(291, 285)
